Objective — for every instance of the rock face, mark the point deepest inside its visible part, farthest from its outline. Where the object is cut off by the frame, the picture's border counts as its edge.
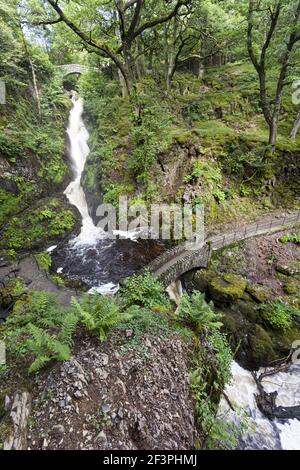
(129, 398)
(228, 288)
(19, 409)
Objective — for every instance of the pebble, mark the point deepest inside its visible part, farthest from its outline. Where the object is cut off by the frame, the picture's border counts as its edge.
(106, 408)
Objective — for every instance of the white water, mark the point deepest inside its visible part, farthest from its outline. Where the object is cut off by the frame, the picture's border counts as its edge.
(79, 152)
(263, 433)
(266, 434)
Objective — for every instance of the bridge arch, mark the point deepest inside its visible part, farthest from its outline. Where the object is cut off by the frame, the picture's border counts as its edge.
(69, 69)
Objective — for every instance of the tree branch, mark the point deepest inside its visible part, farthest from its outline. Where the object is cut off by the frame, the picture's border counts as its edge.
(162, 19)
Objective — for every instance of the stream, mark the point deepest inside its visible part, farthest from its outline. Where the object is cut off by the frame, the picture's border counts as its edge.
(92, 257)
(264, 434)
(101, 263)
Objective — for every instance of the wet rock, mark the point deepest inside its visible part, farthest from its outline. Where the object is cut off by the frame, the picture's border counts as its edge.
(262, 352)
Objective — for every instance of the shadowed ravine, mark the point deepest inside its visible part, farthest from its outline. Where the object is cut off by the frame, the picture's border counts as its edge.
(101, 263)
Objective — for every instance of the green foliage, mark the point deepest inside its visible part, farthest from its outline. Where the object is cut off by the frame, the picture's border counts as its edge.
(279, 315)
(40, 330)
(44, 261)
(207, 382)
(211, 178)
(17, 287)
(146, 291)
(114, 191)
(246, 164)
(37, 226)
(150, 137)
(144, 321)
(99, 314)
(195, 311)
(292, 237)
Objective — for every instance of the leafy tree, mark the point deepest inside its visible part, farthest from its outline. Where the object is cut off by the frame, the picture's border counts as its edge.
(276, 24)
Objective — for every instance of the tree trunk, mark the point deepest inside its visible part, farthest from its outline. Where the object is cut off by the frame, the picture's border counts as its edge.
(122, 84)
(171, 54)
(201, 70)
(273, 132)
(34, 80)
(295, 128)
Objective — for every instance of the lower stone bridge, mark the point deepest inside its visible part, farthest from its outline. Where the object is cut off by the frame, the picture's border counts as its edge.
(173, 263)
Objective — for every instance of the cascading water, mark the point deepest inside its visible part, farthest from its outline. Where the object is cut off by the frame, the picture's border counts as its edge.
(266, 434)
(79, 152)
(101, 263)
(92, 257)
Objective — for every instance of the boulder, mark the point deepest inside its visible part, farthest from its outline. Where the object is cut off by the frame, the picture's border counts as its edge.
(227, 288)
(260, 293)
(262, 352)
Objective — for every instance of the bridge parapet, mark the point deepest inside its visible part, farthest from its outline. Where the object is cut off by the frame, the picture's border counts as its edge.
(173, 263)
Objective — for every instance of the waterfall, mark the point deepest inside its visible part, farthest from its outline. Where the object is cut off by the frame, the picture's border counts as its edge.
(266, 434)
(79, 151)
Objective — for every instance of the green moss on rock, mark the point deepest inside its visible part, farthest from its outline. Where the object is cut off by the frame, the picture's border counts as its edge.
(202, 278)
(227, 288)
(262, 351)
(291, 288)
(259, 293)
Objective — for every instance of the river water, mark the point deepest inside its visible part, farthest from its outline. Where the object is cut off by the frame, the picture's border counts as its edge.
(92, 257)
(101, 263)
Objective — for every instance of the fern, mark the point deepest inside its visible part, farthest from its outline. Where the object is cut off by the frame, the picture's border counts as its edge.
(198, 313)
(38, 364)
(45, 347)
(100, 314)
(68, 327)
(41, 329)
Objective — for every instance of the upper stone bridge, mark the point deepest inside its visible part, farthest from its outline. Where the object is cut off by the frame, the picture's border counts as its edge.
(173, 263)
(69, 69)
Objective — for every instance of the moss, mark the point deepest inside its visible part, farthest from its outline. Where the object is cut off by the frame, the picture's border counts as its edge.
(48, 220)
(283, 340)
(228, 288)
(260, 293)
(229, 323)
(262, 350)
(248, 310)
(202, 278)
(291, 288)
(290, 269)
(183, 137)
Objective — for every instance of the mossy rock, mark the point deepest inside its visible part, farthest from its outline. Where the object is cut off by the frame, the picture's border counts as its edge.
(290, 269)
(291, 288)
(262, 352)
(230, 325)
(202, 279)
(260, 293)
(283, 340)
(49, 221)
(6, 298)
(227, 288)
(248, 310)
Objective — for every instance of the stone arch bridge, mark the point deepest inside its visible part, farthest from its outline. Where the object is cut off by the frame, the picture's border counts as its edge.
(69, 69)
(172, 264)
